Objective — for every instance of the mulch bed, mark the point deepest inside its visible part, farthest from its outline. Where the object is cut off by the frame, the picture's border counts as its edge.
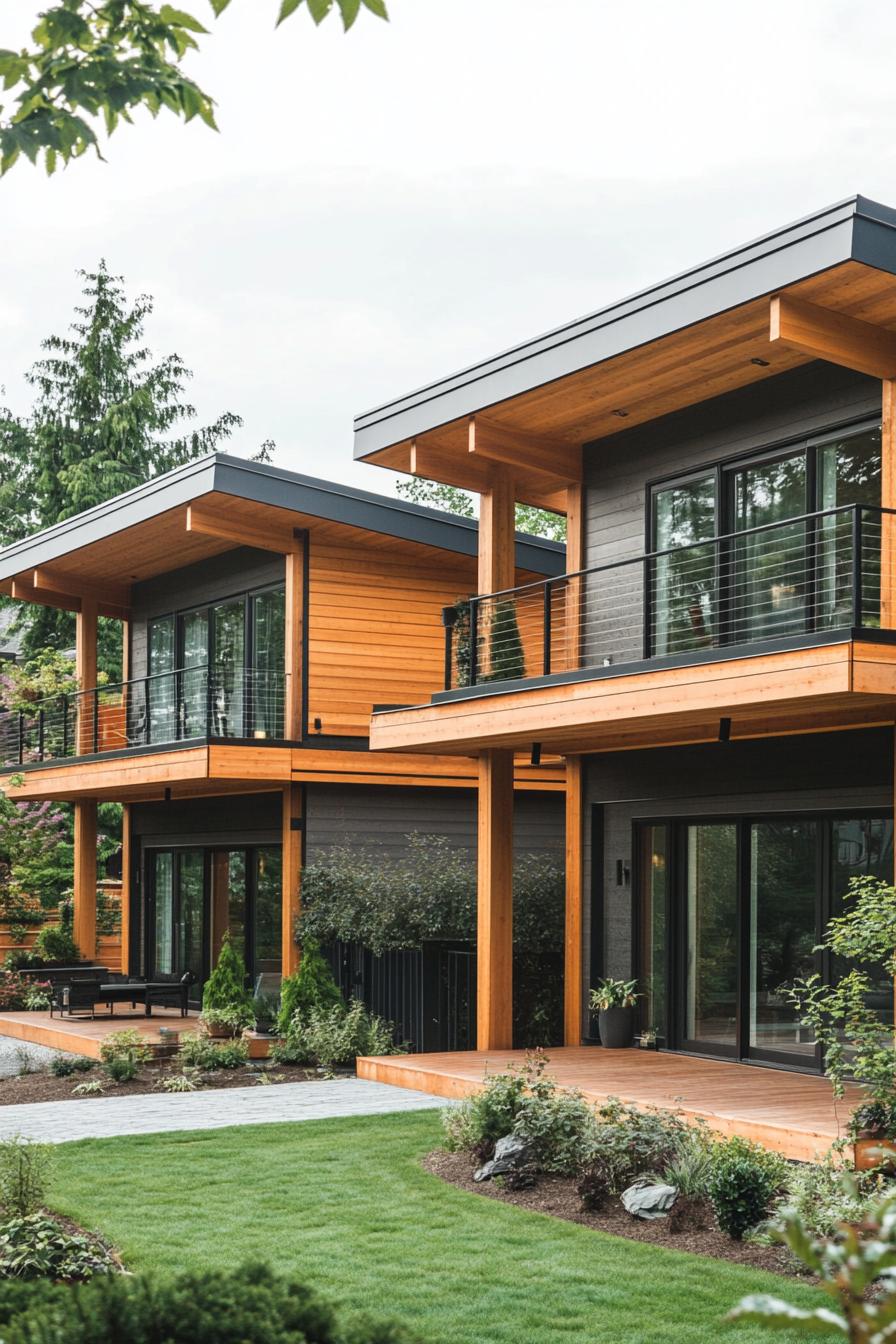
(32, 1087)
(556, 1195)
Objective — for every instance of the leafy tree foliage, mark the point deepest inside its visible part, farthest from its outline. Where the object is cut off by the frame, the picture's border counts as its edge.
(91, 61)
(107, 416)
(449, 498)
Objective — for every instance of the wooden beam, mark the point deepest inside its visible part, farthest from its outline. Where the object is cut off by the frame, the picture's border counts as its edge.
(84, 902)
(556, 458)
(292, 876)
(294, 625)
(23, 591)
(85, 671)
(231, 529)
(827, 334)
(494, 919)
(109, 594)
(434, 464)
(572, 960)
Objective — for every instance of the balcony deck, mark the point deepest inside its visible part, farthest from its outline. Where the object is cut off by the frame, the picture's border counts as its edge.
(792, 1113)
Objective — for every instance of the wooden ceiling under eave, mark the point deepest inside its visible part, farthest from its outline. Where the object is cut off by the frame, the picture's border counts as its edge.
(675, 371)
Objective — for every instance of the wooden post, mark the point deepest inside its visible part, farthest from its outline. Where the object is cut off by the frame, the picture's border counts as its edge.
(497, 569)
(126, 889)
(292, 876)
(575, 560)
(572, 962)
(293, 639)
(85, 670)
(494, 920)
(84, 922)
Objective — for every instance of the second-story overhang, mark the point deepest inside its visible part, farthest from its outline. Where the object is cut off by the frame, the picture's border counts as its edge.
(830, 683)
(698, 335)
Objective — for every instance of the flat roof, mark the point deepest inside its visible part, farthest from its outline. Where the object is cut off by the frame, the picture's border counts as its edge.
(261, 483)
(856, 229)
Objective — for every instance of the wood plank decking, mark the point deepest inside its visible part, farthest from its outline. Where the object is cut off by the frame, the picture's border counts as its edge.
(792, 1113)
(81, 1036)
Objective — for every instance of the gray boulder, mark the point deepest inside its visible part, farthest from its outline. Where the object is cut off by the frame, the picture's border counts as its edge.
(511, 1155)
(647, 1200)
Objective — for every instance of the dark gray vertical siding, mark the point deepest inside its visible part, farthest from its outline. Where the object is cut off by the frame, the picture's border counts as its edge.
(380, 818)
(823, 772)
(617, 471)
(220, 576)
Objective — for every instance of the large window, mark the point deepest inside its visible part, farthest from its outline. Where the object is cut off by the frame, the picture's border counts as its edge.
(218, 671)
(779, 574)
(732, 912)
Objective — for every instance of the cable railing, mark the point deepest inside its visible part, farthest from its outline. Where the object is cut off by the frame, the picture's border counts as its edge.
(825, 571)
(189, 703)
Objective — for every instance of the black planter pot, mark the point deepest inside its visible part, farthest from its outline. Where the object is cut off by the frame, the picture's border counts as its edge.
(616, 1027)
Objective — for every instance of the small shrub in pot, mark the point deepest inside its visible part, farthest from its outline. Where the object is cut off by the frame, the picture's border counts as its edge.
(614, 1001)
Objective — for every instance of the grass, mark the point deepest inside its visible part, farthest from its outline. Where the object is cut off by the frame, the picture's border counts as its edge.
(345, 1206)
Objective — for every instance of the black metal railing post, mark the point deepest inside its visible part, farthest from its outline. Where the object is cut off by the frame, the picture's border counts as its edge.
(449, 621)
(546, 644)
(208, 702)
(96, 720)
(857, 613)
(474, 640)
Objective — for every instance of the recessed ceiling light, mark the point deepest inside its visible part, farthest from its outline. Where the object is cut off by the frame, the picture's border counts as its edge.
(621, 414)
(761, 363)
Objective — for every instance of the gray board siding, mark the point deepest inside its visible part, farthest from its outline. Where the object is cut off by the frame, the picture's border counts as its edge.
(221, 576)
(800, 404)
(827, 772)
(855, 229)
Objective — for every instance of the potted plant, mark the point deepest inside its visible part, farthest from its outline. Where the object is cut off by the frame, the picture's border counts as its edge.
(872, 1129)
(648, 1038)
(614, 1001)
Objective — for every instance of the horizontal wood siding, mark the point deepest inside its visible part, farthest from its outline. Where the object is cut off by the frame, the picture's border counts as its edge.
(381, 819)
(824, 772)
(375, 634)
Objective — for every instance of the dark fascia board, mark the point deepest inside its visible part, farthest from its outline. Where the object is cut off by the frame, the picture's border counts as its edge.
(278, 487)
(856, 229)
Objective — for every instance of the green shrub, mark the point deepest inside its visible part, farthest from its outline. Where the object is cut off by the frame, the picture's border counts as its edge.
(63, 1066)
(198, 1052)
(249, 1305)
(629, 1142)
(123, 1054)
(188, 1081)
(480, 1121)
(225, 989)
(38, 996)
(92, 1088)
(24, 1175)
(14, 990)
(689, 1169)
(312, 987)
(743, 1181)
(559, 1124)
(819, 1196)
(56, 944)
(428, 891)
(233, 1019)
(18, 932)
(36, 1246)
(335, 1036)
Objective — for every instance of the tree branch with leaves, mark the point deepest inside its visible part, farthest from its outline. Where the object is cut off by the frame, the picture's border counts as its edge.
(102, 61)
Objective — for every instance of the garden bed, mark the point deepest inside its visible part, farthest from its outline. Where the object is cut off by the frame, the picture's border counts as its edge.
(27, 1088)
(556, 1196)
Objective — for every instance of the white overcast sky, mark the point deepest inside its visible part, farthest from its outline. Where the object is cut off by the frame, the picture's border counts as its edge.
(382, 208)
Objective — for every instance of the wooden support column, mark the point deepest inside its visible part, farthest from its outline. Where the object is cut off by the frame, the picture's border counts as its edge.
(494, 920)
(126, 892)
(292, 875)
(888, 501)
(293, 726)
(575, 560)
(497, 508)
(572, 960)
(84, 922)
(85, 670)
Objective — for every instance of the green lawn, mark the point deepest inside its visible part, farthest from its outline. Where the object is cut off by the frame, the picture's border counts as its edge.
(344, 1205)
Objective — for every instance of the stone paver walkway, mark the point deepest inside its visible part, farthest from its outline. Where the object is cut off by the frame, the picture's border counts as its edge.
(105, 1117)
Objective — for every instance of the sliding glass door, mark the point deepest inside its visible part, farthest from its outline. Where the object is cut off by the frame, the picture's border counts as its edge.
(682, 581)
(731, 913)
(769, 572)
(175, 884)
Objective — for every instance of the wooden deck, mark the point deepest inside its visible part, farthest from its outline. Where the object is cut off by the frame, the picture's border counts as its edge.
(81, 1036)
(792, 1113)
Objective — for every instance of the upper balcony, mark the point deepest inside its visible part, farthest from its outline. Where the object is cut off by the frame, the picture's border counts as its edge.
(777, 627)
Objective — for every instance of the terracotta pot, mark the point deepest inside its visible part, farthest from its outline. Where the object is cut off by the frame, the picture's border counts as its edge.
(616, 1027)
(873, 1150)
(217, 1031)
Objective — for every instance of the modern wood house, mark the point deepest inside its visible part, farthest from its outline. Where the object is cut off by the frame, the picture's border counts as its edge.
(265, 614)
(718, 663)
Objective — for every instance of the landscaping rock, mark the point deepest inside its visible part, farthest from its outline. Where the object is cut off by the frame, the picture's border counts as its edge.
(511, 1155)
(646, 1200)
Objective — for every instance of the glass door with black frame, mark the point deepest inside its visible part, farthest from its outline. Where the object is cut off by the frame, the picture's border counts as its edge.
(682, 573)
(711, 975)
(769, 574)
